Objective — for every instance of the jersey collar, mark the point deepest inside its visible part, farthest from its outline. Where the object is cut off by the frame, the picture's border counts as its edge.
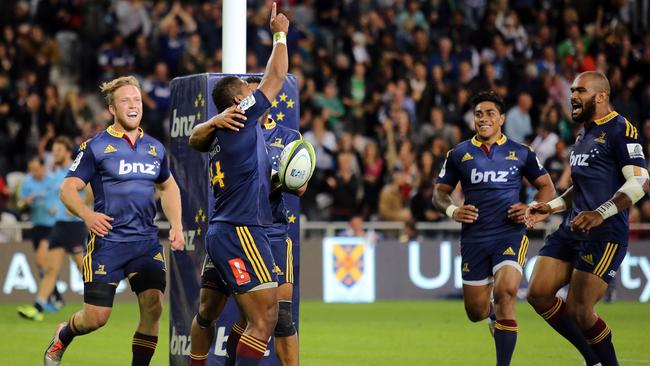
(270, 124)
(115, 133)
(502, 140)
(610, 116)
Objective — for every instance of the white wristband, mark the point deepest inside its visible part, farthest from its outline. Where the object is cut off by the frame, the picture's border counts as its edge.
(450, 211)
(280, 37)
(533, 203)
(607, 209)
(557, 204)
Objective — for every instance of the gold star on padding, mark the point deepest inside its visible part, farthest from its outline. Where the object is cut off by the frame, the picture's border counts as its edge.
(283, 97)
(274, 103)
(196, 218)
(292, 219)
(290, 103)
(198, 232)
(280, 116)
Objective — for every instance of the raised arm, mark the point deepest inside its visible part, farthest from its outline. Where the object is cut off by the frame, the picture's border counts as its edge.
(278, 64)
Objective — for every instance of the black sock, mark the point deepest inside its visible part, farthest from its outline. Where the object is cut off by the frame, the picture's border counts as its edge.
(599, 338)
(143, 347)
(505, 339)
(557, 318)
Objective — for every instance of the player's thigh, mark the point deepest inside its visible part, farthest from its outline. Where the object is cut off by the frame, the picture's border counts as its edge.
(506, 282)
(476, 299)
(260, 307)
(584, 292)
(285, 292)
(549, 276)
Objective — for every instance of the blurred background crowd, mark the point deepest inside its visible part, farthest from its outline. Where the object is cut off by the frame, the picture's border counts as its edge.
(385, 85)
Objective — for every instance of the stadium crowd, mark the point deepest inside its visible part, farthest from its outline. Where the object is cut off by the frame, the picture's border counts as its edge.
(384, 85)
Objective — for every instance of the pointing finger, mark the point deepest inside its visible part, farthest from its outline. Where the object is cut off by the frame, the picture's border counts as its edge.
(274, 10)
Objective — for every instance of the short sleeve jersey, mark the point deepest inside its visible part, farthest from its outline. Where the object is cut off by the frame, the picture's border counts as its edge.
(123, 178)
(491, 182)
(42, 192)
(603, 147)
(240, 170)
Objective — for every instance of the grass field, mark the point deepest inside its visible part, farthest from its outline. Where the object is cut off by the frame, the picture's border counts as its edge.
(384, 333)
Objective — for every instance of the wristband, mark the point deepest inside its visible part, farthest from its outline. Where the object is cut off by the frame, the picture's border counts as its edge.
(557, 204)
(450, 211)
(533, 203)
(607, 209)
(279, 37)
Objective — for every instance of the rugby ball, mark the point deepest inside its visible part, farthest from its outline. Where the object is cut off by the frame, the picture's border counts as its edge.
(297, 162)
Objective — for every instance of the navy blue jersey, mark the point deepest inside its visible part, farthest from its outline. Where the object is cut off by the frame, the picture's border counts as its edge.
(277, 137)
(123, 178)
(491, 182)
(601, 150)
(240, 170)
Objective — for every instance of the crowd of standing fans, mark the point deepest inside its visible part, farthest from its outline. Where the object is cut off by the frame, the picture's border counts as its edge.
(384, 85)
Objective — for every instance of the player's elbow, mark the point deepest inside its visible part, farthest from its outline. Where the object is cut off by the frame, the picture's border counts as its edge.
(197, 143)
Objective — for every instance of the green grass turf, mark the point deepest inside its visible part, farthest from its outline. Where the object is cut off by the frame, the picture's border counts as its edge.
(384, 333)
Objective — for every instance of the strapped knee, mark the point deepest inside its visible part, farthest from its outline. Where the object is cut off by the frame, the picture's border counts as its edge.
(148, 280)
(203, 322)
(285, 326)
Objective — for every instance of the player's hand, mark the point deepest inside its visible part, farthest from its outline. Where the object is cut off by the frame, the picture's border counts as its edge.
(466, 214)
(98, 223)
(226, 119)
(176, 238)
(586, 220)
(279, 22)
(536, 213)
(517, 212)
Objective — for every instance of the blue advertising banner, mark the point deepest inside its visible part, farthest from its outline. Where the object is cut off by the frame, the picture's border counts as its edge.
(191, 104)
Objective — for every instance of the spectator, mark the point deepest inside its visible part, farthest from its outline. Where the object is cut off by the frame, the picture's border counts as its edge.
(544, 143)
(518, 123)
(392, 205)
(346, 189)
(156, 97)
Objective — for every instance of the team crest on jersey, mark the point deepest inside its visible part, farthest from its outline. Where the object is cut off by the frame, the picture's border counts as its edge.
(601, 138)
(512, 155)
(349, 263)
(100, 270)
(248, 102)
(278, 143)
(466, 157)
(465, 267)
(109, 149)
(152, 150)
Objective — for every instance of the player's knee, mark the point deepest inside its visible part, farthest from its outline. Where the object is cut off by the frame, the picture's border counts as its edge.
(505, 296)
(476, 311)
(204, 321)
(152, 303)
(96, 319)
(266, 319)
(284, 326)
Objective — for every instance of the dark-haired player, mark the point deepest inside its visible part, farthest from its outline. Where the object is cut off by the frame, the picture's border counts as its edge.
(123, 166)
(609, 175)
(236, 241)
(493, 244)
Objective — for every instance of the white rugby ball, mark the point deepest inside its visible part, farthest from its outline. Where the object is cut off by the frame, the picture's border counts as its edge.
(297, 162)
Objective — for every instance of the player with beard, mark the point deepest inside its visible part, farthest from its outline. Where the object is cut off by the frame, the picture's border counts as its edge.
(609, 175)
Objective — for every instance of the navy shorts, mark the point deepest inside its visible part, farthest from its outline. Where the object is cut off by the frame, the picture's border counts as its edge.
(69, 235)
(601, 258)
(40, 232)
(480, 261)
(282, 249)
(242, 257)
(108, 261)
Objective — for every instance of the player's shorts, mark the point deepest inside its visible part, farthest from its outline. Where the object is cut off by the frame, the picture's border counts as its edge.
(108, 261)
(480, 261)
(40, 232)
(282, 249)
(242, 257)
(601, 258)
(69, 235)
